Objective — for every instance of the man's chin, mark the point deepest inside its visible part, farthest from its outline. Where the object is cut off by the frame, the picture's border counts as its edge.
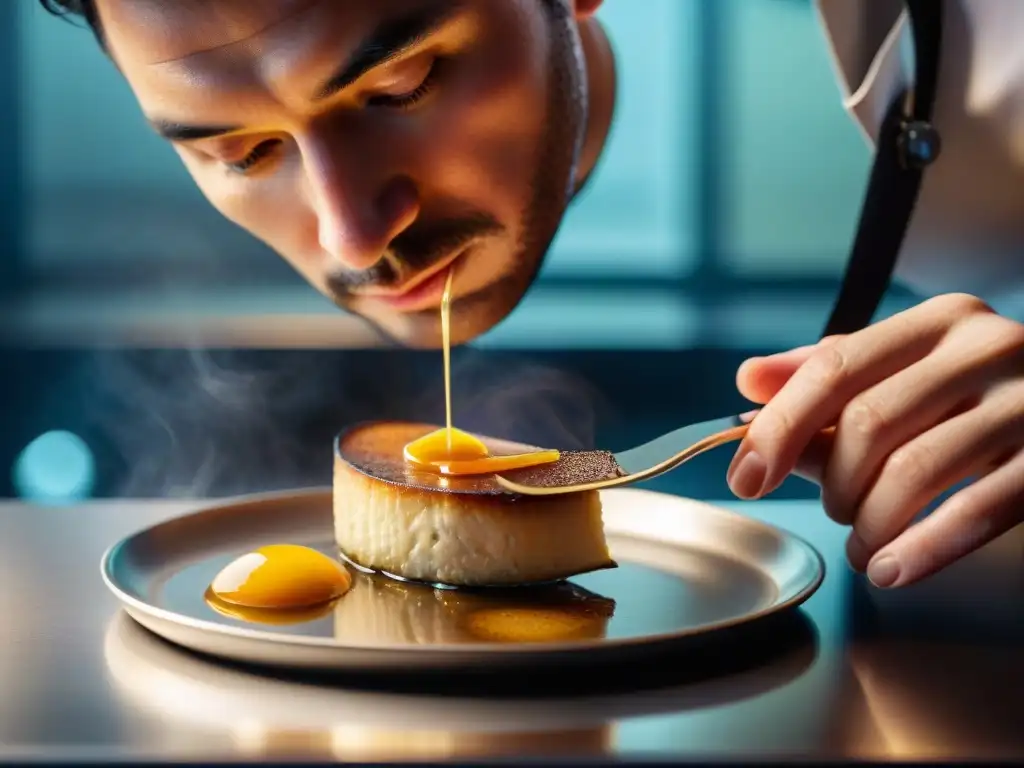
(472, 317)
(423, 331)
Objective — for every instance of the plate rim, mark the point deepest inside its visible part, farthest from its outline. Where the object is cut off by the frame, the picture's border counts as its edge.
(135, 605)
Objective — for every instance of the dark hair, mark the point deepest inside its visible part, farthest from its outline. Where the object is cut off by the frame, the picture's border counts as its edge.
(84, 9)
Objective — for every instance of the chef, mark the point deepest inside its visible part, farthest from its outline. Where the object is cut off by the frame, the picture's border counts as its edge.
(375, 144)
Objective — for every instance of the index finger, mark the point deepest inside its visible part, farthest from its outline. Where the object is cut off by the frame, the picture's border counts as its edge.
(816, 394)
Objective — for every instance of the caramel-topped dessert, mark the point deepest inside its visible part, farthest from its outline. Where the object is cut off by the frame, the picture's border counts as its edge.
(461, 530)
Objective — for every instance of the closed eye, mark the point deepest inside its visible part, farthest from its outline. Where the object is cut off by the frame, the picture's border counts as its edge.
(413, 97)
(264, 150)
(260, 152)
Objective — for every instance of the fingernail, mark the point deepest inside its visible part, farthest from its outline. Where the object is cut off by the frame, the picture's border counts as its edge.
(748, 417)
(884, 571)
(746, 478)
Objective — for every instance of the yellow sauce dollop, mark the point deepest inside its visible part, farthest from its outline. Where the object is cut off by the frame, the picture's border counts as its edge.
(281, 576)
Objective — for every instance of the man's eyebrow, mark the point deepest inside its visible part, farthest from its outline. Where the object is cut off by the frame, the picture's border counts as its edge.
(173, 131)
(389, 41)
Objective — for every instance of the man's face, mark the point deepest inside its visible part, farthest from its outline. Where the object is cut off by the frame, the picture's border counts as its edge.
(372, 143)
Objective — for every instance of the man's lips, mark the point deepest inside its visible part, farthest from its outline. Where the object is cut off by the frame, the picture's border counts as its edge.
(420, 292)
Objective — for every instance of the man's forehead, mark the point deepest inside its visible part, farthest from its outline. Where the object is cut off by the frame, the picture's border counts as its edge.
(157, 31)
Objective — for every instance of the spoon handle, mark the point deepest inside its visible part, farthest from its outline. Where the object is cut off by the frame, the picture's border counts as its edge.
(673, 448)
(650, 467)
(661, 455)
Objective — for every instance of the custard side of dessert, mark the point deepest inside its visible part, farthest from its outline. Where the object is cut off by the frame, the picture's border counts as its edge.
(459, 531)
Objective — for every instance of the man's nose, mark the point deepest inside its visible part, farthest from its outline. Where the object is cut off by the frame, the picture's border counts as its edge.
(359, 217)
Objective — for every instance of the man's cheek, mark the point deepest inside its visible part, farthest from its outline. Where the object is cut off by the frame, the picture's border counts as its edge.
(483, 153)
(487, 167)
(232, 199)
(210, 182)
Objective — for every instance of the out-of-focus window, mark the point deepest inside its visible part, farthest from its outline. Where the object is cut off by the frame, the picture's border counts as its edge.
(794, 166)
(637, 217)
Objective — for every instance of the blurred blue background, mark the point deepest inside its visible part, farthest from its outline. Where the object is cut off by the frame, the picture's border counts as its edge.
(152, 348)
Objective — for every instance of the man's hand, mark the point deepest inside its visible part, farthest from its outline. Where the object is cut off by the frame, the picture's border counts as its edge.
(921, 402)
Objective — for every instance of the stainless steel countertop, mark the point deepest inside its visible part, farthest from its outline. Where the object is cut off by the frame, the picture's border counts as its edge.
(935, 671)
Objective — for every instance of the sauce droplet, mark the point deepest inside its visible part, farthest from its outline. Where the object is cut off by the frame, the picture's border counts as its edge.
(450, 451)
(281, 576)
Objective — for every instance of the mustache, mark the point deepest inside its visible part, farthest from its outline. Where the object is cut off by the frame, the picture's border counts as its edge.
(416, 249)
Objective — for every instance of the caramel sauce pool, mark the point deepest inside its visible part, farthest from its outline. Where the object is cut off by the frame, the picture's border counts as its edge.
(450, 451)
(278, 577)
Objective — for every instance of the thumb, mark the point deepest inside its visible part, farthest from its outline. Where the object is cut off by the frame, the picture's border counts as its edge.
(759, 379)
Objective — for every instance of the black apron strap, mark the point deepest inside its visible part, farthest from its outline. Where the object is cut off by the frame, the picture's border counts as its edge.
(907, 143)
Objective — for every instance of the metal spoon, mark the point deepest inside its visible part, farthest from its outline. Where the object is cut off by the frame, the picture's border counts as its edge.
(572, 472)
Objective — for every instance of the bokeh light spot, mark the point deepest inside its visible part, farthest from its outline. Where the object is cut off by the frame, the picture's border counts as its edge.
(55, 468)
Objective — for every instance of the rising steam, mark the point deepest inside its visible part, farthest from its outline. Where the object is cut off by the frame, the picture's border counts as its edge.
(206, 423)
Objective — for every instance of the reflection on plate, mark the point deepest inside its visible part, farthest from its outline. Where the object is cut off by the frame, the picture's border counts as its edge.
(384, 611)
(305, 717)
(379, 610)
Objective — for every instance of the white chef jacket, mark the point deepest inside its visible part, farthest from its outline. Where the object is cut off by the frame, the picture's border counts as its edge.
(967, 232)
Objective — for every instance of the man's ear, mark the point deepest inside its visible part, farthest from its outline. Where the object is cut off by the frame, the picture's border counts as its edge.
(586, 8)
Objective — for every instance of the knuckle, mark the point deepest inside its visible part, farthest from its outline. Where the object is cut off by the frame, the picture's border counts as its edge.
(829, 340)
(909, 467)
(974, 516)
(998, 336)
(1010, 334)
(962, 506)
(827, 368)
(864, 419)
(960, 305)
(886, 510)
(987, 520)
(872, 531)
(770, 433)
